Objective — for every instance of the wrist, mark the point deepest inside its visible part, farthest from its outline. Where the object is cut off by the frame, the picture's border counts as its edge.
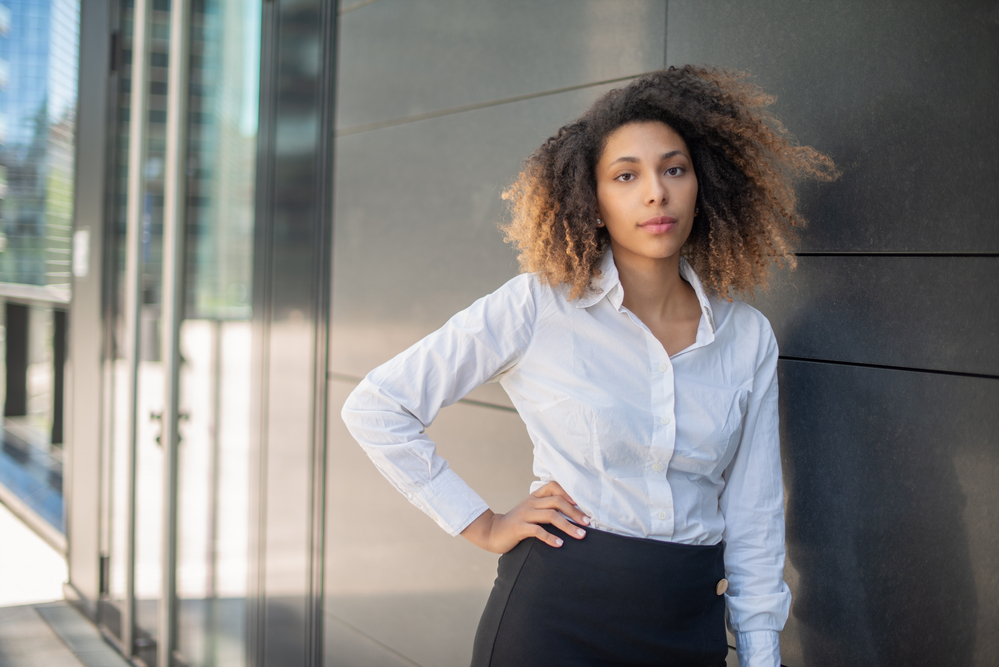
(478, 532)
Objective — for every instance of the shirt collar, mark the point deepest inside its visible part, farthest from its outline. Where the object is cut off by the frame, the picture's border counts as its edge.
(608, 285)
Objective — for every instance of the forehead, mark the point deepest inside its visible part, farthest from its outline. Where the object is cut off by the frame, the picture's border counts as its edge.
(642, 139)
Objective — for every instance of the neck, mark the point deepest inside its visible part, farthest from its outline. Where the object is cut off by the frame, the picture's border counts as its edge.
(652, 286)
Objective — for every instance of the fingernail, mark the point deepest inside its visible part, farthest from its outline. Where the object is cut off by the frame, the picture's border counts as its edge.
(581, 532)
(558, 541)
(586, 521)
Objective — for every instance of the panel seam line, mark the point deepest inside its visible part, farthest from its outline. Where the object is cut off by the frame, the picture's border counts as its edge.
(885, 367)
(357, 129)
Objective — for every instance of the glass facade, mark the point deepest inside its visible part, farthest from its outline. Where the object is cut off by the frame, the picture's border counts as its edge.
(39, 51)
(38, 61)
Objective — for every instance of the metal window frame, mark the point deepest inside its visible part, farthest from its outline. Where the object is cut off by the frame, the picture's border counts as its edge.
(138, 116)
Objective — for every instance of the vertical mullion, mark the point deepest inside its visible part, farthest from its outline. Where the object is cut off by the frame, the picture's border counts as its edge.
(174, 190)
(138, 113)
(322, 270)
(263, 242)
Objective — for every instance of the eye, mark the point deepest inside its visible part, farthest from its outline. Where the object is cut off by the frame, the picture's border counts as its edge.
(624, 178)
(675, 171)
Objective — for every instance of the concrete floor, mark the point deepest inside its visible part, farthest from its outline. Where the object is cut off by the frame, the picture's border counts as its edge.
(37, 627)
(31, 573)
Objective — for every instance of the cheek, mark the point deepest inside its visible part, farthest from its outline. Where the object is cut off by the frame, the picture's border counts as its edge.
(692, 192)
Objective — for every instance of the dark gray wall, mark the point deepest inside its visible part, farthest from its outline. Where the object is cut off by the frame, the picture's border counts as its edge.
(890, 377)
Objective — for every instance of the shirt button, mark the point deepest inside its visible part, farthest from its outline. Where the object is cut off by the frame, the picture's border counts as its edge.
(663, 368)
(664, 421)
(657, 467)
(664, 515)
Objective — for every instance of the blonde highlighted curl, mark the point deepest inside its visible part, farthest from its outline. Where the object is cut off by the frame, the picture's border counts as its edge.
(746, 165)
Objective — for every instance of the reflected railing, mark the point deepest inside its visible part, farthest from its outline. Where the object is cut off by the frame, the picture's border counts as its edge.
(33, 337)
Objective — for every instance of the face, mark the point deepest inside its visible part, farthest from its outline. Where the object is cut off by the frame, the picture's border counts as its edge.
(646, 191)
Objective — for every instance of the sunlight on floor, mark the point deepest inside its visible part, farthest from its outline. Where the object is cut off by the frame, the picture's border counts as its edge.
(30, 570)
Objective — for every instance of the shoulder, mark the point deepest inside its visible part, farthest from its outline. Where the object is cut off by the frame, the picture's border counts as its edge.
(529, 287)
(744, 325)
(520, 301)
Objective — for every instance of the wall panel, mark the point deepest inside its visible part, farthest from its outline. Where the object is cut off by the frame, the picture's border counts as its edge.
(930, 313)
(901, 95)
(402, 58)
(891, 515)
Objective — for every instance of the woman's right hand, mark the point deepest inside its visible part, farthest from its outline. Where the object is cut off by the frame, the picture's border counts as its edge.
(501, 532)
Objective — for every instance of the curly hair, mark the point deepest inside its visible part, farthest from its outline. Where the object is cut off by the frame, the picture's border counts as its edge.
(745, 162)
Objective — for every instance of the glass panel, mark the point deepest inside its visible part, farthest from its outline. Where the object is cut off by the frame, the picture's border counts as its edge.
(149, 390)
(215, 335)
(38, 75)
(38, 85)
(116, 372)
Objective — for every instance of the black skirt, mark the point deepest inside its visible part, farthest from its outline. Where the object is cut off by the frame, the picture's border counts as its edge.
(604, 600)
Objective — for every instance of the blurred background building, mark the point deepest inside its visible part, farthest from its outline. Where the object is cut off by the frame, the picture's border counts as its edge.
(217, 216)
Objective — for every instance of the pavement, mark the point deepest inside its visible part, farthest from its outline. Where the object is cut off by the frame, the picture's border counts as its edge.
(37, 627)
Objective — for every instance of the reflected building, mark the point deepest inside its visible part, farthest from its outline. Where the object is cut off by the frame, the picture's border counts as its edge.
(219, 215)
(38, 77)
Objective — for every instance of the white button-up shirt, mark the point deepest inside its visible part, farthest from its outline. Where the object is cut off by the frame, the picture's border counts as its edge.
(683, 448)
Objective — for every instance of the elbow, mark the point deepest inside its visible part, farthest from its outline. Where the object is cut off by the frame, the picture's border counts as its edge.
(352, 410)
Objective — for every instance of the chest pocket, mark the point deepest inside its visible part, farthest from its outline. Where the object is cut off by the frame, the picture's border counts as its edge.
(708, 427)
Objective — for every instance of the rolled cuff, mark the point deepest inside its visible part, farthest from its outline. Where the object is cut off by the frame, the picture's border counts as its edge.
(760, 648)
(756, 613)
(451, 502)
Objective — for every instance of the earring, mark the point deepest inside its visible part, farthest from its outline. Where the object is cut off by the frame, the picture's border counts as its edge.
(600, 223)
(696, 210)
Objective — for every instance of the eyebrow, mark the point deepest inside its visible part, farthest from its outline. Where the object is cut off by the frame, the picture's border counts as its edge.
(635, 160)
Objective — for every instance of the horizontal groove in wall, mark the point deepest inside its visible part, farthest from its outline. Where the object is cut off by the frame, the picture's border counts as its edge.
(357, 129)
(896, 254)
(341, 377)
(356, 5)
(857, 364)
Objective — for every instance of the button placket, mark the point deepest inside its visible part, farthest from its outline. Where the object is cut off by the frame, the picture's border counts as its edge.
(663, 437)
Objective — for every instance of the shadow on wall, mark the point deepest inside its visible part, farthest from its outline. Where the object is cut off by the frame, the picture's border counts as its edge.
(875, 519)
(876, 510)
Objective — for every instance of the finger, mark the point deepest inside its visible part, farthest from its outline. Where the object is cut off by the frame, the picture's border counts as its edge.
(546, 537)
(562, 505)
(557, 520)
(566, 527)
(553, 488)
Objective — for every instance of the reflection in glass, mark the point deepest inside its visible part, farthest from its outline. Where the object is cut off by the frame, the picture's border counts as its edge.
(38, 79)
(215, 335)
(149, 398)
(150, 382)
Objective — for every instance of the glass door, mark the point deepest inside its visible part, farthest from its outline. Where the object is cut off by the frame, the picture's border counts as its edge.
(175, 536)
(215, 334)
(134, 372)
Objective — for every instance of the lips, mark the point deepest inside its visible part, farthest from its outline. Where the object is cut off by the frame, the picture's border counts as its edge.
(659, 225)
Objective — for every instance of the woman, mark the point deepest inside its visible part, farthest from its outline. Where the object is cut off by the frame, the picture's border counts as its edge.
(650, 395)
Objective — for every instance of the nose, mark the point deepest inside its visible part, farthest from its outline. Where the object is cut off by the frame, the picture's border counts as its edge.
(657, 192)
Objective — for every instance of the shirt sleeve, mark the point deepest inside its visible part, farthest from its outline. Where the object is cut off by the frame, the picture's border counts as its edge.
(388, 412)
(752, 503)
